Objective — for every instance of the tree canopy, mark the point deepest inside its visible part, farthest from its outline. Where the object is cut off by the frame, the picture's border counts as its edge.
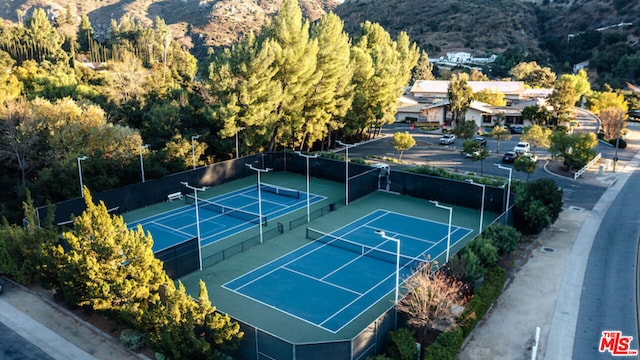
(460, 96)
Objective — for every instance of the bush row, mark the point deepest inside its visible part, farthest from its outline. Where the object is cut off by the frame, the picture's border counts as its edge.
(448, 344)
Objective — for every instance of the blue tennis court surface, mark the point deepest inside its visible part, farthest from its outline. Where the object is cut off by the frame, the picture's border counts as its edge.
(331, 281)
(222, 216)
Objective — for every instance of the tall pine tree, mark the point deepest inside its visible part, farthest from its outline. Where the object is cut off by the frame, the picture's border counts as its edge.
(392, 62)
(296, 73)
(329, 101)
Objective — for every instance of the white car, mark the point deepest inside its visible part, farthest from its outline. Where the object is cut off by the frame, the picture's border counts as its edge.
(447, 139)
(522, 148)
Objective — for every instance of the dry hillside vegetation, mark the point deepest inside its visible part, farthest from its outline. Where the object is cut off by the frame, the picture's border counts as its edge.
(206, 22)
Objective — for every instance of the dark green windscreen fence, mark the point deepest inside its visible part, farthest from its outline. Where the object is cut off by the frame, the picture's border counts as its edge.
(258, 344)
(180, 259)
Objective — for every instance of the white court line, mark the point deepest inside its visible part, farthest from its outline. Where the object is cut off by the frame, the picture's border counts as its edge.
(322, 281)
(170, 228)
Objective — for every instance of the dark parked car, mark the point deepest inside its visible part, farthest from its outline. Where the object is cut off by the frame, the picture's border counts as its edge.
(481, 140)
(516, 129)
(509, 157)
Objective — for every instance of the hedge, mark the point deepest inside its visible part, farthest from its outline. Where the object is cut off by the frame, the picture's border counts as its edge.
(449, 343)
(446, 347)
(482, 299)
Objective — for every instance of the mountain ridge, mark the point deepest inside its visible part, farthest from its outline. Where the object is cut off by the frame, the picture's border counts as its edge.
(559, 33)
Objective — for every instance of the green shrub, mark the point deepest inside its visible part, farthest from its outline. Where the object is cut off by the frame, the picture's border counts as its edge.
(537, 206)
(401, 345)
(379, 357)
(482, 299)
(621, 143)
(446, 347)
(444, 173)
(331, 155)
(132, 339)
(505, 238)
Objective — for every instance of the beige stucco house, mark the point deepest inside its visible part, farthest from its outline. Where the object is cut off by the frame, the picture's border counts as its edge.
(427, 102)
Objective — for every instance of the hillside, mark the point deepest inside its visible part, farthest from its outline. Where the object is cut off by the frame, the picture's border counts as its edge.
(559, 33)
(479, 26)
(196, 22)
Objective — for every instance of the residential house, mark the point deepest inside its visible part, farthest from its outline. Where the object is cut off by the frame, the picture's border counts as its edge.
(426, 91)
(431, 105)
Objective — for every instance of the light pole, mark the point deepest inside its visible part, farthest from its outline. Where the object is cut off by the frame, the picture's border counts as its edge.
(346, 168)
(259, 196)
(308, 197)
(193, 149)
(238, 129)
(437, 204)
(397, 241)
(506, 220)
(80, 173)
(195, 195)
(484, 188)
(145, 146)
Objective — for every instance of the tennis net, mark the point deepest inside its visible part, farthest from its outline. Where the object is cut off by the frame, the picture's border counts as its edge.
(222, 209)
(278, 190)
(363, 250)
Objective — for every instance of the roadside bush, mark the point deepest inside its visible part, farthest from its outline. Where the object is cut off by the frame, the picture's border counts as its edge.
(478, 256)
(537, 206)
(444, 173)
(621, 144)
(401, 345)
(446, 347)
(132, 339)
(482, 299)
(330, 155)
(505, 238)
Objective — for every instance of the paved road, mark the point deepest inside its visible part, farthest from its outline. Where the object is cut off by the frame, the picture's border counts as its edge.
(428, 152)
(608, 300)
(13, 346)
(34, 327)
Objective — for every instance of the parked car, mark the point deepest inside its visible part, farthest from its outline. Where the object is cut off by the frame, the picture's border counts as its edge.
(522, 148)
(447, 139)
(516, 129)
(531, 156)
(509, 157)
(481, 140)
(482, 143)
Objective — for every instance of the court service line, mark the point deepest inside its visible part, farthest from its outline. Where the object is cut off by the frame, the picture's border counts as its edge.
(305, 253)
(278, 309)
(321, 280)
(406, 236)
(183, 210)
(358, 298)
(276, 268)
(356, 258)
(172, 229)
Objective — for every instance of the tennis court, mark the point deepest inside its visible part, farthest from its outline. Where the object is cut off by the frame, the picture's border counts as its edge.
(224, 215)
(331, 281)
